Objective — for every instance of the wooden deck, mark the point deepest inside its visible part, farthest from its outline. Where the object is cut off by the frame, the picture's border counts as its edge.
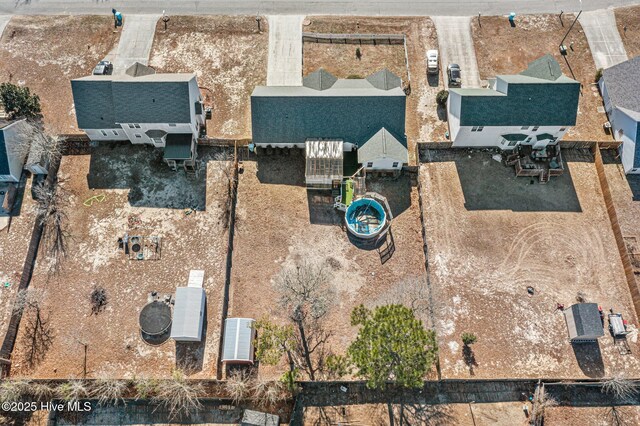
(542, 164)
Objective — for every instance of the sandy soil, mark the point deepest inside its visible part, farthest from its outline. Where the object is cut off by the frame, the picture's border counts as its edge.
(498, 414)
(594, 416)
(14, 244)
(229, 57)
(280, 224)
(46, 52)
(490, 236)
(628, 17)
(501, 49)
(142, 197)
(423, 123)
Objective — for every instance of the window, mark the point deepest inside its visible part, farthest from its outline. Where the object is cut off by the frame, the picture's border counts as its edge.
(104, 132)
(115, 132)
(477, 128)
(138, 135)
(131, 126)
(535, 128)
(369, 164)
(395, 164)
(134, 126)
(513, 143)
(480, 128)
(524, 128)
(172, 124)
(562, 129)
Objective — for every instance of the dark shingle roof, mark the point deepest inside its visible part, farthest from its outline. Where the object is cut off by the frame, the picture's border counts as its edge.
(4, 156)
(178, 146)
(319, 80)
(586, 318)
(384, 80)
(539, 96)
(622, 82)
(102, 101)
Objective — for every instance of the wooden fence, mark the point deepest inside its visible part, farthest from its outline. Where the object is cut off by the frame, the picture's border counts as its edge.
(373, 39)
(617, 232)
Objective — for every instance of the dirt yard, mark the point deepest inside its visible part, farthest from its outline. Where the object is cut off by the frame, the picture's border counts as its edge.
(428, 123)
(229, 57)
(628, 17)
(280, 225)
(15, 234)
(45, 52)
(140, 196)
(497, 414)
(491, 236)
(501, 49)
(593, 416)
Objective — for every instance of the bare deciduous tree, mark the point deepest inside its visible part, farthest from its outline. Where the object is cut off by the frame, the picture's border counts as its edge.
(38, 335)
(178, 394)
(238, 386)
(98, 300)
(620, 387)
(37, 144)
(618, 416)
(109, 391)
(306, 293)
(50, 211)
(413, 293)
(224, 161)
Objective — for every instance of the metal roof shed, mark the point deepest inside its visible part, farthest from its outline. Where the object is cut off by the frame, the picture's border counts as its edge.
(239, 335)
(188, 314)
(583, 322)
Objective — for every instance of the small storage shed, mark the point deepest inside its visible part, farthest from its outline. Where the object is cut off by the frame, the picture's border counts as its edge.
(583, 322)
(188, 314)
(239, 336)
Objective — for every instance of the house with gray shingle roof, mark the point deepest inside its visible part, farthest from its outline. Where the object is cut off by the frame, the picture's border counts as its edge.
(14, 148)
(535, 107)
(365, 114)
(162, 110)
(620, 88)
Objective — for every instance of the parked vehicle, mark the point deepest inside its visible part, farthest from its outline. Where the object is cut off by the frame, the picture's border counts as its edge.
(454, 74)
(432, 62)
(103, 68)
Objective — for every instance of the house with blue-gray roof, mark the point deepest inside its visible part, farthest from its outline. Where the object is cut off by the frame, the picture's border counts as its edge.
(535, 107)
(162, 110)
(620, 88)
(14, 148)
(327, 114)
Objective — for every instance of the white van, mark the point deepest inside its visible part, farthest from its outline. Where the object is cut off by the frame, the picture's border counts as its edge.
(432, 62)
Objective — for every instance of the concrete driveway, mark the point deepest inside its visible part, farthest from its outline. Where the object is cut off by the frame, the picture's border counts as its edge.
(603, 36)
(135, 42)
(285, 50)
(4, 20)
(456, 47)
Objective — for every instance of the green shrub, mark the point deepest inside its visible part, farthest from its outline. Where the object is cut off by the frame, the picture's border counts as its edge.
(441, 97)
(469, 338)
(18, 101)
(599, 74)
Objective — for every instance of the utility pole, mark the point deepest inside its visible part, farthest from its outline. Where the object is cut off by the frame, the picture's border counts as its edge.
(473, 418)
(563, 48)
(258, 22)
(165, 19)
(479, 24)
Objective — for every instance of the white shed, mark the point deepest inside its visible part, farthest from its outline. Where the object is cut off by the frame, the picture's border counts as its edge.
(239, 335)
(188, 314)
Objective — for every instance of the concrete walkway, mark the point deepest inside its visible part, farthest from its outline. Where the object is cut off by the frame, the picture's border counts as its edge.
(456, 47)
(285, 50)
(135, 42)
(4, 20)
(603, 36)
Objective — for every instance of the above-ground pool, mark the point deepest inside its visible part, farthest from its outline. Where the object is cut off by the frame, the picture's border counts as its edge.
(365, 218)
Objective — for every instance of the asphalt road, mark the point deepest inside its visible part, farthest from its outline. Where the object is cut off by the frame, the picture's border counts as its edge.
(305, 7)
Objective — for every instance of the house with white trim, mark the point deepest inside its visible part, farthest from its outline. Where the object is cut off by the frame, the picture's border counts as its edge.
(162, 110)
(327, 114)
(535, 107)
(620, 89)
(14, 148)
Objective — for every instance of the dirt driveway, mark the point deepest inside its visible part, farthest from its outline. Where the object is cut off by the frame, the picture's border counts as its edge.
(492, 235)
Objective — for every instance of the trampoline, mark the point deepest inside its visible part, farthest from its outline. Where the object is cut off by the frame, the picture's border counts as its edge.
(155, 319)
(365, 218)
